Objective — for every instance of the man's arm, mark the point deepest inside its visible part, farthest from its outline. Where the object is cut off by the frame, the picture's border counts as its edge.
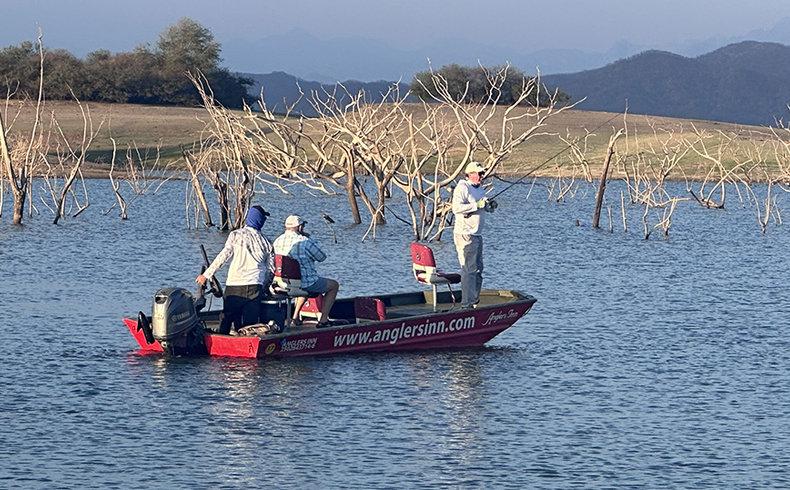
(315, 250)
(220, 259)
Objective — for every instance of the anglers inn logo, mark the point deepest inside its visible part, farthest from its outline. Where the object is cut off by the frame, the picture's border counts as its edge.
(499, 316)
(299, 344)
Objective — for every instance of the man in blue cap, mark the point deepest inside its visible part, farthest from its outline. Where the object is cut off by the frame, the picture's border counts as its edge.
(250, 274)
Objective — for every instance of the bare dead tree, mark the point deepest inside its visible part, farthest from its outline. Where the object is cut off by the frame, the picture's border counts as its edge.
(718, 169)
(623, 213)
(288, 151)
(645, 172)
(140, 173)
(420, 150)
(370, 137)
(429, 144)
(765, 206)
(19, 164)
(224, 143)
(757, 172)
(60, 177)
(570, 171)
(562, 185)
(122, 204)
(665, 218)
(578, 149)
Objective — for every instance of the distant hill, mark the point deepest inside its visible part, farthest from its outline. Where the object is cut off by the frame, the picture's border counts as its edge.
(281, 90)
(745, 83)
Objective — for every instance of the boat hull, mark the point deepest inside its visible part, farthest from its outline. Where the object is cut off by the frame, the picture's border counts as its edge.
(453, 328)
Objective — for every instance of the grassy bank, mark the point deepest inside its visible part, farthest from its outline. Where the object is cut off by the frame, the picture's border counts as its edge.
(152, 129)
(149, 129)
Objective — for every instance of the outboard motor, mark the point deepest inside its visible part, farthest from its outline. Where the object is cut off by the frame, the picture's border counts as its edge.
(174, 322)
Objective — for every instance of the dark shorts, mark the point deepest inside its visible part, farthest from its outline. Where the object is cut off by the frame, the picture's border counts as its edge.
(241, 306)
(320, 286)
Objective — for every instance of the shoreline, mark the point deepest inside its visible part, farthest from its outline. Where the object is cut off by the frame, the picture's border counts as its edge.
(94, 171)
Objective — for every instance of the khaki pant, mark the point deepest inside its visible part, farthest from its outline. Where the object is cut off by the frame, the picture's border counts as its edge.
(470, 256)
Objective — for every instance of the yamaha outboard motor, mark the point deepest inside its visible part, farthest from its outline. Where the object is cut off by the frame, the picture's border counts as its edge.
(175, 323)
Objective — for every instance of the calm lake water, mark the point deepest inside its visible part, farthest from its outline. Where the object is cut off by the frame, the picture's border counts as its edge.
(644, 364)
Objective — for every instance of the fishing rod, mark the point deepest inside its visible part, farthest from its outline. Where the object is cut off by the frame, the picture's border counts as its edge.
(563, 150)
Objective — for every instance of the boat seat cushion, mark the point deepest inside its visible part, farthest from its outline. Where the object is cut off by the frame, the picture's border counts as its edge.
(367, 308)
(424, 267)
(439, 277)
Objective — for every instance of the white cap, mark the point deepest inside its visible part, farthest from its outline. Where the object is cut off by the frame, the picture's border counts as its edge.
(293, 221)
(474, 167)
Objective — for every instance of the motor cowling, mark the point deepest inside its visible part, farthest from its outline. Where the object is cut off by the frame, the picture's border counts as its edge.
(174, 314)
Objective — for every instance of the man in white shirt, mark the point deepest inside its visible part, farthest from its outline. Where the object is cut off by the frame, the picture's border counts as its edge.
(469, 202)
(250, 274)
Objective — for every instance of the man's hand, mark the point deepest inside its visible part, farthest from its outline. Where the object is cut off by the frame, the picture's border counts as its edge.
(201, 279)
(482, 203)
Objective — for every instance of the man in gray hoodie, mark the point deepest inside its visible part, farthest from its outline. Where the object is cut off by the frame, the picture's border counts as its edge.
(469, 202)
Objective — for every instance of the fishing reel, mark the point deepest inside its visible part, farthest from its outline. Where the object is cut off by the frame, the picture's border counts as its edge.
(491, 205)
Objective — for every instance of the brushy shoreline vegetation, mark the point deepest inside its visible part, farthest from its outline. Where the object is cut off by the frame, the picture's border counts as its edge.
(147, 75)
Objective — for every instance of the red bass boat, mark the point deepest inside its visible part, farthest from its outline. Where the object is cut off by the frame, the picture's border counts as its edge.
(394, 322)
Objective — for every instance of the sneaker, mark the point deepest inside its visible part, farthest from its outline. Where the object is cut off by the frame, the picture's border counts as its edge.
(295, 322)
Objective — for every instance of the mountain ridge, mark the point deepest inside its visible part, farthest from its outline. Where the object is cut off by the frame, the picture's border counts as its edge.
(743, 83)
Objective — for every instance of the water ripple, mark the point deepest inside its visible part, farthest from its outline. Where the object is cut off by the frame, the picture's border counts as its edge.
(644, 364)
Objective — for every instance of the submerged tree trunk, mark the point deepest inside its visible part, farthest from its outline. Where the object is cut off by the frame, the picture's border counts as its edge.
(18, 185)
(224, 207)
(351, 179)
(379, 217)
(61, 202)
(19, 204)
(604, 177)
(201, 197)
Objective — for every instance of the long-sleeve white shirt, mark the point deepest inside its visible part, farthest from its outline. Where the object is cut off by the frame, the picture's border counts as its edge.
(253, 258)
(469, 219)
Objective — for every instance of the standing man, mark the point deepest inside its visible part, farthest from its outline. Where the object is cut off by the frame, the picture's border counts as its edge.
(298, 245)
(469, 202)
(250, 274)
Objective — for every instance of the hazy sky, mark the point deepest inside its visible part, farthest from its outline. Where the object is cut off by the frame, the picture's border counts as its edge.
(81, 26)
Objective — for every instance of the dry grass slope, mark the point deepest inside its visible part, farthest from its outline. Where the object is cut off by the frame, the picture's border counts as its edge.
(164, 129)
